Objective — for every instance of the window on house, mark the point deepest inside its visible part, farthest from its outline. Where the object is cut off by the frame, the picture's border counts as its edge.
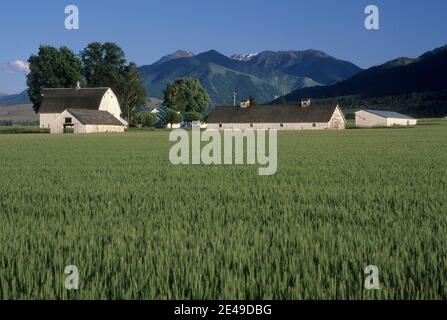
(282, 125)
(314, 125)
(251, 125)
(220, 125)
(68, 120)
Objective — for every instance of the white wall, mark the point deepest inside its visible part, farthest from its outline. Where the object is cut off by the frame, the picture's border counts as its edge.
(57, 126)
(46, 118)
(401, 122)
(92, 128)
(367, 119)
(174, 126)
(266, 126)
(110, 103)
(338, 120)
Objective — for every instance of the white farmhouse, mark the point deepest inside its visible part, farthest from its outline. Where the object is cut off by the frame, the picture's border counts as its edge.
(305, 116)
(99, 104)
(377, 118)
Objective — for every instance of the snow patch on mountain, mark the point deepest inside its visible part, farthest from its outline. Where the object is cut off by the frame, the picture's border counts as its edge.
(243, 56)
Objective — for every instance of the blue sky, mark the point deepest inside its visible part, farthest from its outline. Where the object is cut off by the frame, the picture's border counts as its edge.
(147, 30)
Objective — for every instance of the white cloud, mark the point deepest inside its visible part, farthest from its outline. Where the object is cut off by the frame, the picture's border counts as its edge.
(20, 65)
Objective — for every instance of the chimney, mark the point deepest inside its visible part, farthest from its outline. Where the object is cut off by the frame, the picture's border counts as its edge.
(305, 103)
(245, 104)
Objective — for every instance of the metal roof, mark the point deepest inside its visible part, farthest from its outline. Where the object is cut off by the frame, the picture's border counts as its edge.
(95, 117)
(162, 111)
(272, 114)
(57, 100)
(389, 114)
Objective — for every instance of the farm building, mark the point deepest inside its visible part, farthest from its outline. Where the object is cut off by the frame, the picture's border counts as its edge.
(376, 118)
(97, 104)
(305, 116)
(161, 113)
(86, 121)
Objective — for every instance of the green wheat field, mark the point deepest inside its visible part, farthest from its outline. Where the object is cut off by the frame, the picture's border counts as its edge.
(138, 227)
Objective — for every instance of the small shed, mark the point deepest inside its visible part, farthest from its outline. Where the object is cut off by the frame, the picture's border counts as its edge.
(86, 121)
(377, 118)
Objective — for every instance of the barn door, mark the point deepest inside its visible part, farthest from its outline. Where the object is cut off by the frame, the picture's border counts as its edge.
(68, 125)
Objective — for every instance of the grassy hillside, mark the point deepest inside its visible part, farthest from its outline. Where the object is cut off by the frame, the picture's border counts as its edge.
(14, 99)
(18, 113)
(313, 64)
(139, 227)
(397, 78)
(219, 81)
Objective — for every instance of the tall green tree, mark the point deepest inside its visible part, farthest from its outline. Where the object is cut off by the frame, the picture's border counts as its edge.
(252, 100)
(132, 92)
(186, 95)
(145, 119)
(52, 68)
(105, 65)
(173, 117)
(192, 116)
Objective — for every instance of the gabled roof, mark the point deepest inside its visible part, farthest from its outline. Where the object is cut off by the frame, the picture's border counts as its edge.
(389, 114)
(57, 100)
(94, 117)
(273, 114)
(162, 111)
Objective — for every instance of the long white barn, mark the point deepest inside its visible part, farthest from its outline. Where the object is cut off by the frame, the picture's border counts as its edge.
(305, 116)
(377, 118)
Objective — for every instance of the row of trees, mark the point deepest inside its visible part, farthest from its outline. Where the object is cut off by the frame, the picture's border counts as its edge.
(98, 65)
(187, 98)
(105, 65)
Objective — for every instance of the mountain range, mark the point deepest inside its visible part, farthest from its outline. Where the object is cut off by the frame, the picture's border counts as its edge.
(417, 86)
(265, 75)
(13, 99)
(422, 78)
